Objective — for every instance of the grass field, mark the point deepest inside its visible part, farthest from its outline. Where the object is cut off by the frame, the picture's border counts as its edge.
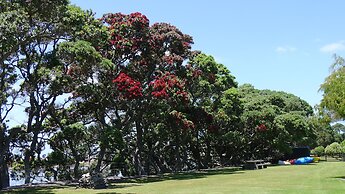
(324, 177)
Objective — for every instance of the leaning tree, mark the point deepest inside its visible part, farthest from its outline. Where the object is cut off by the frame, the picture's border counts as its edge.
(32, 31)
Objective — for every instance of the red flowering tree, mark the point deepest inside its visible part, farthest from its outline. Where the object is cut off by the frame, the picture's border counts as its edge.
(149, 74)
(165, 99)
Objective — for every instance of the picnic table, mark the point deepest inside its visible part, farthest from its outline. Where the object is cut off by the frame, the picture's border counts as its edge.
(255, 164)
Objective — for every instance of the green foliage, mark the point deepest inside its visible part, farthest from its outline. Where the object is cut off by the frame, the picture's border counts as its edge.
(83, 26)
(333, 101)
(274, 122)
(342, 144)
(31, 32)
(296, 126)
(334, 149)
(56, 158)
(217, 109)
(338, 130)
(318, 151)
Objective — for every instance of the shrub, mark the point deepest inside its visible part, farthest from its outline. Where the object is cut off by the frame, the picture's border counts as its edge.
(318, 151)
(334, 149)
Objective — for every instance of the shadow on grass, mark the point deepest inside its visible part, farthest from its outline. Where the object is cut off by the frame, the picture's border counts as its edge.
(31, 190)
(133, 182)
(289, 165)
(339, 177)
(178, 176)
(49, 190)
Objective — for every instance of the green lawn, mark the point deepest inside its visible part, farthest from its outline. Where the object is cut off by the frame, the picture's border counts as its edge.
(324, 177)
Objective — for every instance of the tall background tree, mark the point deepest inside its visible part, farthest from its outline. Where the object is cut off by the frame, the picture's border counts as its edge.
(333, 101)
(332, 107)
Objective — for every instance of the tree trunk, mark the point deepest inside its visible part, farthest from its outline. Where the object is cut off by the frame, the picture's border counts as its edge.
(76, 158)
(139, 150)
(102, 146)
(4, 176)
(28, 156)
(162, 166)
(4, 153)
(76, 170)
(208, 154)
(55, 178)
(27, 166)
(196, 151)
(185, 158)
(4, 144)
(149, 157)
(178, 165)
(100, 158)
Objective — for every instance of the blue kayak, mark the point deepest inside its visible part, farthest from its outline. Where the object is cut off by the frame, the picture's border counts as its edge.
(304, 160)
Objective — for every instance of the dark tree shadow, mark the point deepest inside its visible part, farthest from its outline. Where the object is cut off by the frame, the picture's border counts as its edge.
(131, 182)
(31, 190)
(339, 177)
(177, 176)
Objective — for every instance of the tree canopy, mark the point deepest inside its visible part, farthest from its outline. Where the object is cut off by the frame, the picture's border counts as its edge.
(121, 94)
(274, 122)
(333, 89)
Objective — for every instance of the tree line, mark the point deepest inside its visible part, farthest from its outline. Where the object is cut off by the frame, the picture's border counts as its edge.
(121, 94)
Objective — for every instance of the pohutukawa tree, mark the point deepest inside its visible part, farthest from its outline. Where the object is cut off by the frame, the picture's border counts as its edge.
(35, 32)
(274, 123)
(215, 110)
(30, 30)
(149, 67)
(123, 94)
(8, 77)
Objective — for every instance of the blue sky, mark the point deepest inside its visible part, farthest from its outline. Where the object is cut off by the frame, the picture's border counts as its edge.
(278, 45)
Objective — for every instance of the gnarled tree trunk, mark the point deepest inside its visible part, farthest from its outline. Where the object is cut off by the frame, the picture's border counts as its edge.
(4, 176)
(139, 150)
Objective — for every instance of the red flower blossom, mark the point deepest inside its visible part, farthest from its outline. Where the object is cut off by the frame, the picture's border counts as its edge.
(180, 121)
(168, 85)
(127, 86)
(128, 32)
(261, 128)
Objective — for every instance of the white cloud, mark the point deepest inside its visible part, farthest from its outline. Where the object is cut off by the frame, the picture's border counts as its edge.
(285, 49)
(333, 47)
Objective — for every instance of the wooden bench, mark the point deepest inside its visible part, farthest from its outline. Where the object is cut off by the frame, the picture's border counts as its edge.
(255, 164)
